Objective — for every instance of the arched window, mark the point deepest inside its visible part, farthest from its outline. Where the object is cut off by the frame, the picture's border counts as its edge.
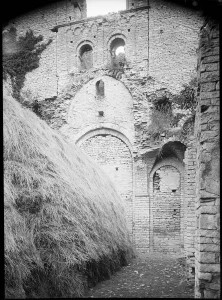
(86, 57)
(100, 88)
(117, 51)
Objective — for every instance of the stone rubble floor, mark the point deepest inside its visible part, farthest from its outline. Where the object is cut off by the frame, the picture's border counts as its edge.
(153, 276)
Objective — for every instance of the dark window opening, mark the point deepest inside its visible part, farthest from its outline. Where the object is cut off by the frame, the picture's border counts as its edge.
(156, 182)
(100, 88)
(75, 4)
(173, 191)
(203, 108)
(117, 168)
(128, 30)
(86, 57)
(101, 113)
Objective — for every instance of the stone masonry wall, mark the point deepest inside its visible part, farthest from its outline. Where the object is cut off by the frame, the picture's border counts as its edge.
(116, 105)
(160, 43)
(173, 41)
(207, 246)
(43, 81)
(189, 207)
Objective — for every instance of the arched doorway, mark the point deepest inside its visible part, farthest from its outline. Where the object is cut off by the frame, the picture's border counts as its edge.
(166, 186)
(114, 157)
(166, 209)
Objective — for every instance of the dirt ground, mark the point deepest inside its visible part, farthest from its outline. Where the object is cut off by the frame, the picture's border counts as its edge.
(154, 276)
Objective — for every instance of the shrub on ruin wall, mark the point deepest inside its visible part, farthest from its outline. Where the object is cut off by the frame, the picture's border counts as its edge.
(167, 114)
(187, 98)
(24, 60)
(65, 226)
(116, 65)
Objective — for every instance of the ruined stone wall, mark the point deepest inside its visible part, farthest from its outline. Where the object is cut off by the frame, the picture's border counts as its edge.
(207, 246)
(113, 109)
(99, 33)
(160, 44)
(173, 40)
(43, 81)
(189, 206)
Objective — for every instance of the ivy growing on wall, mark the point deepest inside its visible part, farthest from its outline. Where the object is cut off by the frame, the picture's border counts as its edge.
(25, 59)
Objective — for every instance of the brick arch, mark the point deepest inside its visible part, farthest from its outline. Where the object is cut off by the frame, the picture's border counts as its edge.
(84, 42)
(114, 36)
(78, 50)
(161, 208)
(172, 149)
(170, 162)
(94, 131)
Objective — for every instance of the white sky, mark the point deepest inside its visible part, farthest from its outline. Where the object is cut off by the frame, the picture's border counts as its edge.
(103, 7)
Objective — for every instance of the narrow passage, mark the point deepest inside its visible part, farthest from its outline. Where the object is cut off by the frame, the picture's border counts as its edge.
(154, 276)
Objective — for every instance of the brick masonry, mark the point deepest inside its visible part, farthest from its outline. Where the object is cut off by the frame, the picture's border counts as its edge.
(190, 196)
(160, 46)
(207, 246)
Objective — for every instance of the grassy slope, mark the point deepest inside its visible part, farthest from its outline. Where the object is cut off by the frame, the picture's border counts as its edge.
(64, 222)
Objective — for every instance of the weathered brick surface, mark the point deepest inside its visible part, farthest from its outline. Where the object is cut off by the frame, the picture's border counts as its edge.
(189, 206)
(207, 252)
(170, 61)
(115, 159)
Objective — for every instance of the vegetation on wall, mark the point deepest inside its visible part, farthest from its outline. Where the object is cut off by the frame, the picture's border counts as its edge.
(167, 114)
(17, 64)
(161, 119)
(116, 65)
(186, 99)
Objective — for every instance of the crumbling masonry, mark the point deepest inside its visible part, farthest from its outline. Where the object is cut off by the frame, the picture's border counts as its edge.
(106, 111)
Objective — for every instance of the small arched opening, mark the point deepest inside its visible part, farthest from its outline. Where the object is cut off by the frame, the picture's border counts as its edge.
(86, 57)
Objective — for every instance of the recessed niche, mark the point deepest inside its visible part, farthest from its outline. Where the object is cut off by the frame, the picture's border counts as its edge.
(101, 113)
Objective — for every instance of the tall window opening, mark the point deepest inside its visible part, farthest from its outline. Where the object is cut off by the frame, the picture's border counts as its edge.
(117, 51)
(100, 88)
(86, 57)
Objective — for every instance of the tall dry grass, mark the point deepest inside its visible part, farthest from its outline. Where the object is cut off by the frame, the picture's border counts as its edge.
(65, 224)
